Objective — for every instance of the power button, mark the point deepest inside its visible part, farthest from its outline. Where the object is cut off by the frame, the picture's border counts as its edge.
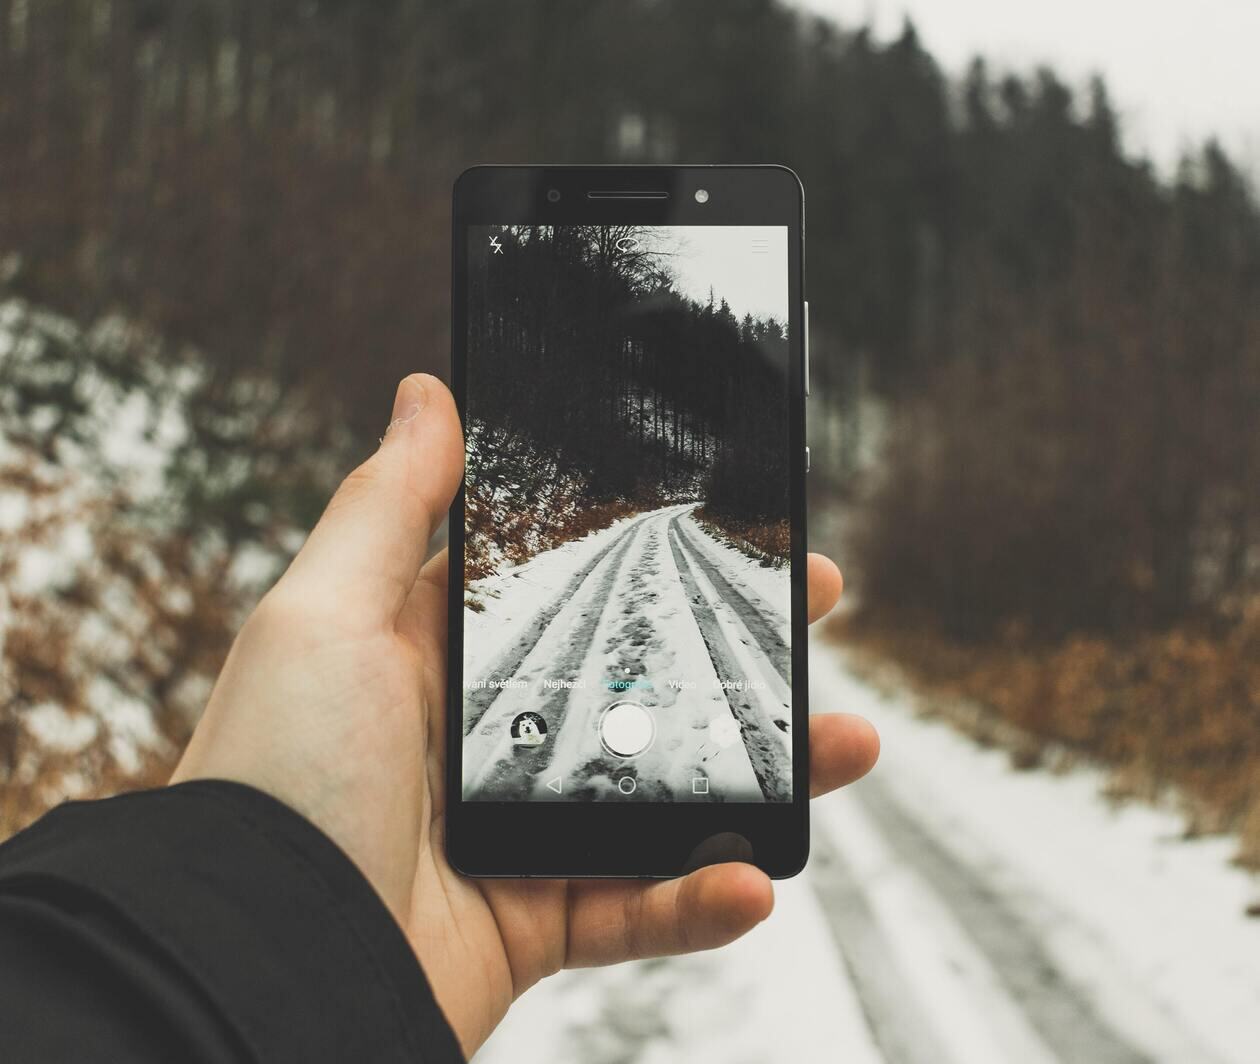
(805, 334)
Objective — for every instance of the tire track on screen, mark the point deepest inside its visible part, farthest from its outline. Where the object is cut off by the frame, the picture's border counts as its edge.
(770, 759)
(512, 778)
(477, 702)
(760, 622)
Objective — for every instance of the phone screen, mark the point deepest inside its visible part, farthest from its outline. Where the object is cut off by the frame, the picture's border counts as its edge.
(627, 581)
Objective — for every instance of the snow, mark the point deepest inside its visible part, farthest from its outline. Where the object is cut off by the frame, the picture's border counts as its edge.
(771, 585)
(43, 567)
(1152, 925)
(92, 422)
(613, 616)
(1145, 927)
(774, 696)
(58, 730)
(129, 721)
(510, 599)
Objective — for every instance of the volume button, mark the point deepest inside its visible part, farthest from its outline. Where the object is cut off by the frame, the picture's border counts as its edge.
(806, 346)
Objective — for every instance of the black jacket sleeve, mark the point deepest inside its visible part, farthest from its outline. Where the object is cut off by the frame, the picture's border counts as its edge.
(205, 922)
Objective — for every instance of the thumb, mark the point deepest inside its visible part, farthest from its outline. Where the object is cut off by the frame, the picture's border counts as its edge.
(365, 553)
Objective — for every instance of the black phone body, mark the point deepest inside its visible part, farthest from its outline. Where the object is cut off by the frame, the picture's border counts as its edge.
(628, 693)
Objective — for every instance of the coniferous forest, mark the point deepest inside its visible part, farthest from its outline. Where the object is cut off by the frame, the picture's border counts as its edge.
(595, 388)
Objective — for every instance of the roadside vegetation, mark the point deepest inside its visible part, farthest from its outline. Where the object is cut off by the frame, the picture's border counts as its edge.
(766, 541)
(1173, 714)
(1055, 512)
(1063, 523)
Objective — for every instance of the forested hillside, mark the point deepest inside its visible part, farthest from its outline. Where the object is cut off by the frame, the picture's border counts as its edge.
(596, 389)
(1062, 347)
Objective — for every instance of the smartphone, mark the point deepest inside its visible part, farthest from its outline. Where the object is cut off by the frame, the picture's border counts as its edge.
(627, 652)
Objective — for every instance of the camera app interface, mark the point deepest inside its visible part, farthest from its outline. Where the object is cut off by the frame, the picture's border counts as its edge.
(626, 542)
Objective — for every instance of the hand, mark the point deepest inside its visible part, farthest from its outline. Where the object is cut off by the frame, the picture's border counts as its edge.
(333, 700)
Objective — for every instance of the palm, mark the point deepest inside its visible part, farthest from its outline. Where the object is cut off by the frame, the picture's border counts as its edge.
(482, 942)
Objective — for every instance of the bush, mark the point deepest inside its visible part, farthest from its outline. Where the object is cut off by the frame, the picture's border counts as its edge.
(1179, 708)
(1086, 460)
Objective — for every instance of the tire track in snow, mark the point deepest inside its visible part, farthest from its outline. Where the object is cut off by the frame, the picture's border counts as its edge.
(761, 623)
(898, 1025)
(980, 949)
(771, 760)
(1059, 1011)
(512, 778)
(477, 702)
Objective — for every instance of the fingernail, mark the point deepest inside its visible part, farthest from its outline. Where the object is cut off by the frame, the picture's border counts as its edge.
(408, 403)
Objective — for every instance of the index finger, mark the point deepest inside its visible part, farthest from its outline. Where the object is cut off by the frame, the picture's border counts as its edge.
(825, 585)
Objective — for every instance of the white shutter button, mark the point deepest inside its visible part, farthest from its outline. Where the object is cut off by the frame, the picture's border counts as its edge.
(626, 729)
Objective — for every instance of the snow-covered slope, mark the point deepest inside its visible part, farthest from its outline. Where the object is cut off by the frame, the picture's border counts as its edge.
(115, 608)
(954, 911)
(1077, 908)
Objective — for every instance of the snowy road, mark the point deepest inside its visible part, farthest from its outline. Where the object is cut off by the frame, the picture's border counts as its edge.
(653, 610)
(954, 910)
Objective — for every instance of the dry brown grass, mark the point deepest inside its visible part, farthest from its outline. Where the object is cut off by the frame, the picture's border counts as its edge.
(50, 777)
(135, 627)
(770, 544)
(516, 536)
(1177, 711)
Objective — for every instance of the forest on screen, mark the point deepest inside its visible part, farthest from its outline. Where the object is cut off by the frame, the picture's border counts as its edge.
(596, 390)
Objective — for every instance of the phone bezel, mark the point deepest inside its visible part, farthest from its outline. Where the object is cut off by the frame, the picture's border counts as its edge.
(609, 838)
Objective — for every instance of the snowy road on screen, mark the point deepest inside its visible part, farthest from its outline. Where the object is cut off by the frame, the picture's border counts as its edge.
(954, 910)
(653, 610)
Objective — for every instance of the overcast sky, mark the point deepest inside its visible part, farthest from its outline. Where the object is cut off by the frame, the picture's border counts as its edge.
(1177, 71)
(744, 264)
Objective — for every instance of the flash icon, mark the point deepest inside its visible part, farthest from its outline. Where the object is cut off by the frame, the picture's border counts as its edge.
(494, 243)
